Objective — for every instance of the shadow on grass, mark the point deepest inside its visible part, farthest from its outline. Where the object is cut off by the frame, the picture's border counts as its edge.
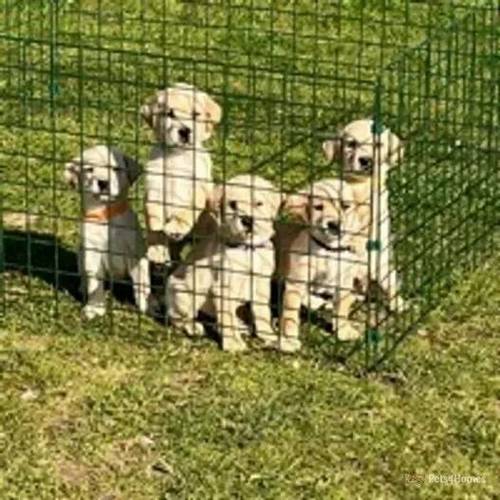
(45, 257)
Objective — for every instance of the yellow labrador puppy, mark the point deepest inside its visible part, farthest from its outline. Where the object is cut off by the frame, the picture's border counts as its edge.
(317, 259)
(178, 175)
(111, 238)
(231, 265)
(366, 168)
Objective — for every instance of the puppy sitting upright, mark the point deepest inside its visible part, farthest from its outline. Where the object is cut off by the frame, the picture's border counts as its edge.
(316, 259)
(179, 172)
(111, 238)
(366, 168)
(230, 265)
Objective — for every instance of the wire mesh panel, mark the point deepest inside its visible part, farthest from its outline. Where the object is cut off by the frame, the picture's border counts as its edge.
(269, 86)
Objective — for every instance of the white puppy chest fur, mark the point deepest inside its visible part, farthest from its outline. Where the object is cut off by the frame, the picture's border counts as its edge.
(231, 265)
(178, 175)
(112, 244)
(332, 271)
(317, 258)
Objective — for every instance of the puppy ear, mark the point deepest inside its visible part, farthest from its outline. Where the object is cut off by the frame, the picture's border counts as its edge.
(395, 149)
(149, 109)
(147, 113)
(212, 113)
(296, 206)
(128, 164)
(332, 148)
(132, 168)
(72, 171)
(214, 199)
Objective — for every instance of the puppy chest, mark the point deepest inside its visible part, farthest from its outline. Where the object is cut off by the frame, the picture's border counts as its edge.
(331, 270)
(243, 270)
(112, 246)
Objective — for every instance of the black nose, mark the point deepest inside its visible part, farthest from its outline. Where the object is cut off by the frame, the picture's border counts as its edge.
(334, 227)
(103, 185)
(365, 163)
(247, 222)
(184, 134)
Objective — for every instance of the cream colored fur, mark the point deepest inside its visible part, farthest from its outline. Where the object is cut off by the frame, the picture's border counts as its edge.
(366, 168)
(230, 265)
(317, 258)
(178, 175)
(114, 247)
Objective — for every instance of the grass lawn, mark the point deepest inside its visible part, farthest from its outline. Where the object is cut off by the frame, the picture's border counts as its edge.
(121, 408)
(85, 414)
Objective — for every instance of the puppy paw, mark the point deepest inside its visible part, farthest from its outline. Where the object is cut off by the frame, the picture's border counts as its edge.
(176, 230)
(92, 311)
(398, 305)
(289, 345)
(346, 331)
(158, 254)
(315, 303)
(269, 339)
(233, 344)
(193, 329)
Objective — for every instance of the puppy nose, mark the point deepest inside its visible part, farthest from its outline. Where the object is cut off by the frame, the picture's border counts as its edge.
(365, 163)
(247, 222)
(103, 185)
(333, 227)
(184, 134)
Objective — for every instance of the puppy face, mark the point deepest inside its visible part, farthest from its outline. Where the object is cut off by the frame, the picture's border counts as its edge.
(355, 148)
(328, 210)
(248, 206)
(181, 116)
(102, 173)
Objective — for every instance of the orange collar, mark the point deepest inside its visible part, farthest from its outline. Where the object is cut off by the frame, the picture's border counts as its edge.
(106, 213)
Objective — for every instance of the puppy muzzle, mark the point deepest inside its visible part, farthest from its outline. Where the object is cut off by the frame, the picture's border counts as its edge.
(185, 135)
(247, 222)
(329, 227)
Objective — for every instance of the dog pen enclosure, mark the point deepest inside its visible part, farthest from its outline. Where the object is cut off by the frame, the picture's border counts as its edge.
(288, 75)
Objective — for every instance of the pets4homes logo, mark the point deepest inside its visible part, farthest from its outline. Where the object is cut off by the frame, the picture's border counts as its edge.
(452, 479)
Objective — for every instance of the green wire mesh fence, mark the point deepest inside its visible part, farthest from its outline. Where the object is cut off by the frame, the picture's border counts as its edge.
(288, 77)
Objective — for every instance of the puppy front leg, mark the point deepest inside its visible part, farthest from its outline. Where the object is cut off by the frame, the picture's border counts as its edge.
(93, 276)
(157, 252)
(389, 283)
(345, 329)
(183, 301)
(290, 317)
(230, 325)
(262, 312)
(141, 282)
(396, 302)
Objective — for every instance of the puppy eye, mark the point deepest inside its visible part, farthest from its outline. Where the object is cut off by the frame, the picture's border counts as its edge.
(196, 114)
(259, 203)
(345, 205)
(233, 205)
(88, 170)
(319, 206)
(171, 113)
(351, 144)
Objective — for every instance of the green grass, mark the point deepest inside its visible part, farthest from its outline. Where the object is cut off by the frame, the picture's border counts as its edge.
(122, 408)
(85, 414)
